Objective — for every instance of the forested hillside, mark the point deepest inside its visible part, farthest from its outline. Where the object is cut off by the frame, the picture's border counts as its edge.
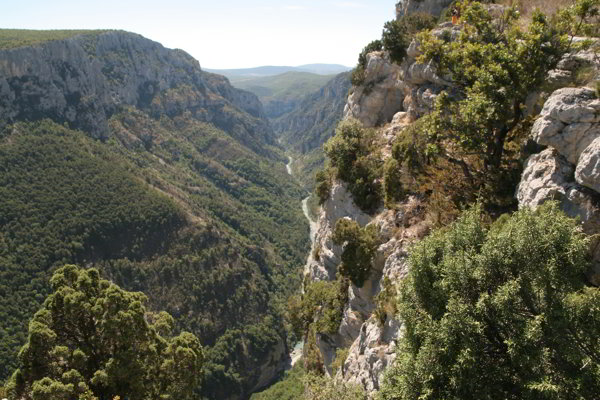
(304, 130)
(120, 154)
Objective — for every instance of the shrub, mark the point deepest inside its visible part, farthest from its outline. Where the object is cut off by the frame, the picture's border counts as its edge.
(322, 185)
(499, 312)
(398, 34)
(392, 185)
(324, 388)
(359, 248)
(354, 157)
(321, 305)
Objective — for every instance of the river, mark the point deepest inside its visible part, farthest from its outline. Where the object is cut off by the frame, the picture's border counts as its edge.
(297, 352)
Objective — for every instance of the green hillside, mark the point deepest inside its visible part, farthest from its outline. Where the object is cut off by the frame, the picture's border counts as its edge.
(184, 197)
(14, 38)
(281, 93)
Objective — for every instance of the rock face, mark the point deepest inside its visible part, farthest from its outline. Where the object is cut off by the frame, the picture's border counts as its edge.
(380, 96)
(339, 205)
(390, 88)
(433, 7)
(83, 80)
(569, 170)
(314, 120)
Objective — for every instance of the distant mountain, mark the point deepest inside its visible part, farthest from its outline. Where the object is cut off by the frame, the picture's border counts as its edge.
(281, 93)
(269, 70)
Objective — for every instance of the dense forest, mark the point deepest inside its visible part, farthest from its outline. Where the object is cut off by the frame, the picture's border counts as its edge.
(194, 214)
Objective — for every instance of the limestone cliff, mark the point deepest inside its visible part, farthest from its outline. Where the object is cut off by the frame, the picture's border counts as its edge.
(391, 97)
(85, 79)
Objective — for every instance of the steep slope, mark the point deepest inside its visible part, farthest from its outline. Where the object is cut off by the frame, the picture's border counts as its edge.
(361, 343)
(305, 129)
(121, 154)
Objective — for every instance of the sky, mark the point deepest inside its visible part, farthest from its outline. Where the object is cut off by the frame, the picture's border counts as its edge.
(223, 33)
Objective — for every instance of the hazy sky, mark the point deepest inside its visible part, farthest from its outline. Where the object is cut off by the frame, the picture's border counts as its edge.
(223, 33)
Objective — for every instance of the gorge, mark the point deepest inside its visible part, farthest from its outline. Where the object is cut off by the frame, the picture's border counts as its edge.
(445, 171)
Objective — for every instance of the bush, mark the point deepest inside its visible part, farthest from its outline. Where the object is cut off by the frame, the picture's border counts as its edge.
(359, 248)
(392, 184)
(397, 34)
(323, 388)
(92, 336)
(321, 305)
(499, 312)
(354, 157)
(322, 186)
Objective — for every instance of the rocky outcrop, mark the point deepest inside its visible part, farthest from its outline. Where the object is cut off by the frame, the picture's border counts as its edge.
(433, 7)
(339, 205)
(277, 361)
(380, 96)
(569, 170)
(85, 79)
(389, 88)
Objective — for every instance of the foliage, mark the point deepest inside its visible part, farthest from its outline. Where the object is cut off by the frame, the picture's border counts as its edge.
(397, 34)
(358, 74)
(198, 221)
(353, 154)
(66, 199)
(392, 184)
(322, 185)
(321, 307)
(324, 388)
(359, 246)
(290, 387)
(386, 301)
(580, 18)
(494, 66)
(499, 312)
(14, 38)
(337, 364)
(92, 336)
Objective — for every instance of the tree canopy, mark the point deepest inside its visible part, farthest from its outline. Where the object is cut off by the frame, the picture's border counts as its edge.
(499, 312)
(94, 340)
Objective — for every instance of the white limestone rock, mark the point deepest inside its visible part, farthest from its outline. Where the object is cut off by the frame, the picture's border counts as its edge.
(380, 96)
(339, 205)
(569, 122)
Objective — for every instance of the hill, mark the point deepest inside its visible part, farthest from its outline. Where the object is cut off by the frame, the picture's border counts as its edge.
(120, 154)
(270, 70)
(282, 93)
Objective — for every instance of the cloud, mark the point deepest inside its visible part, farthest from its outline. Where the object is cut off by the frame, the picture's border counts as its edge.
(350, 4)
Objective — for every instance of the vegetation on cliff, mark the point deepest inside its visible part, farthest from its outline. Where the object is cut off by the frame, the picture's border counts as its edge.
(499, 312)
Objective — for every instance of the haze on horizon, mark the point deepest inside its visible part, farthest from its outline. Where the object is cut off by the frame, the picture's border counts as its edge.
(225, 34)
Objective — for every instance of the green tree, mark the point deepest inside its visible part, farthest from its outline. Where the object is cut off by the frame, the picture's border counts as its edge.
(91, 339)
(494, 65)
(353, 154)
(359, 249)
(499, 312)
(324, 388)
(397, 34)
